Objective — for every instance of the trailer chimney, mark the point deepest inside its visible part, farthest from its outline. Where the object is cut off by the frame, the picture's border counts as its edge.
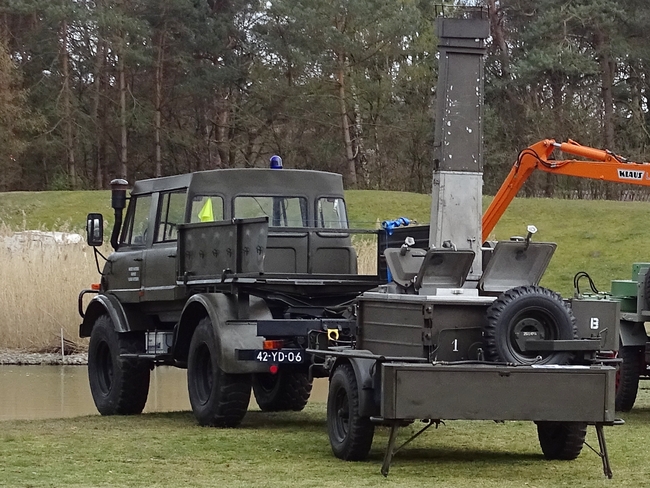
(456, 207)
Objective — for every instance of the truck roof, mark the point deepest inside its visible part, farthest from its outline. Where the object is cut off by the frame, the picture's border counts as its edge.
(256, 181)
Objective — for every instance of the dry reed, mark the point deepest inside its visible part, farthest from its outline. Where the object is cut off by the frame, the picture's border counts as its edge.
(366, 255)
(39, 285)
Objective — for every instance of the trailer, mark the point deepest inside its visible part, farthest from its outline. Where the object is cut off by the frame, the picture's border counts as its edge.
(427, 348)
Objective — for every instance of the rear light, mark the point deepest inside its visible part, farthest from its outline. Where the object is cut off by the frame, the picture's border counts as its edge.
(277, 344)
(94, 286)
(273, 369)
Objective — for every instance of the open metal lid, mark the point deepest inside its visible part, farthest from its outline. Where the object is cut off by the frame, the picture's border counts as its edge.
(444, 268)
(404, 268)
(516, 263)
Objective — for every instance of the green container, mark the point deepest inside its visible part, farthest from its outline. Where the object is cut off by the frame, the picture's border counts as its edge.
(636, 267)
(625, 292)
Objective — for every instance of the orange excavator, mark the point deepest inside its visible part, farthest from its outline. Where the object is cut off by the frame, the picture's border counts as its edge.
(601, 164)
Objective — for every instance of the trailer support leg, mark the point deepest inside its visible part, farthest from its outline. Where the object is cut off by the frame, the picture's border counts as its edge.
(391, 451)
(388, 457)
(607, 468)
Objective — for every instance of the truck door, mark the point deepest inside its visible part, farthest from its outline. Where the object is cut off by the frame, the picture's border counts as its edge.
(124, 270)
(160, 260)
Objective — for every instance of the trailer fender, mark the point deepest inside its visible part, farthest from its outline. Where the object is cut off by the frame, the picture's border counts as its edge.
(231, 331)
(633, 333)
(101, 305)
(367, 377)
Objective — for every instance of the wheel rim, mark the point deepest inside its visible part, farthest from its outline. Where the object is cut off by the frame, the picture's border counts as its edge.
(105, 368)
(533, 323)
(341, 415)
(203, 380)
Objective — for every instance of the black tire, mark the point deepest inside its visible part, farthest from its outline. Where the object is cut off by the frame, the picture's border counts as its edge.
(218, 399)
(350, 434)
(285, 390)
(532, 311)
(561, 440)
(119, 385)
(627, 376)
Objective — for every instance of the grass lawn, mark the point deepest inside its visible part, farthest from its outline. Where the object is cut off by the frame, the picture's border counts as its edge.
(292, 449)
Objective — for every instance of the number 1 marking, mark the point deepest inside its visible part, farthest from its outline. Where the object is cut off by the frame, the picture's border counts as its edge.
(455, 343)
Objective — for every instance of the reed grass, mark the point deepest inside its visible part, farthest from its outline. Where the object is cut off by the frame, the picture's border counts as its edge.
(39, 286)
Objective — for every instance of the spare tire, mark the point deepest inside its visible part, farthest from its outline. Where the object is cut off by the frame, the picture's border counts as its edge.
(523, 313)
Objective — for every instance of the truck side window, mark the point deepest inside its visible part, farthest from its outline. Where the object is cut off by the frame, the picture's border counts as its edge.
(138, 221)
(170, 213)
(206, 208)
(331, 214)
(281, 211)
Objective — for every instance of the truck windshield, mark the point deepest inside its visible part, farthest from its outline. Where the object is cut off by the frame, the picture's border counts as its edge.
(331, 213)
(281, 211)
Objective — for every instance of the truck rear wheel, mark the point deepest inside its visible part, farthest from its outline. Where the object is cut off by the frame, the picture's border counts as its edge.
(527, 312)
(285, 390)
(119, 385)
(218, 399)
(627, 376)
(561, 440)
(350, 434)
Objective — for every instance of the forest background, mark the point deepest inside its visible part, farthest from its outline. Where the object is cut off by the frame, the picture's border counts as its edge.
(92, 90)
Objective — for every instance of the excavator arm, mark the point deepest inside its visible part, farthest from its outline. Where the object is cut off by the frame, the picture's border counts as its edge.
(601, 164)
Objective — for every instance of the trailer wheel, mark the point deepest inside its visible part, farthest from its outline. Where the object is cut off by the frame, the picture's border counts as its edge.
(527, 312)
(350, 434)
(285, 390)
(561, 440)
(119, 386)
(627, 376)
(218, 399)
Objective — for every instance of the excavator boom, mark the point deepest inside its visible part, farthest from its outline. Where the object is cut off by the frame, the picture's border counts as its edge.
(601, 165)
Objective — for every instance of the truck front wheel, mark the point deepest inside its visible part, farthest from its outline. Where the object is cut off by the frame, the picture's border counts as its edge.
(218, 399)
(119, 385)
(350, 434)
(285, 390)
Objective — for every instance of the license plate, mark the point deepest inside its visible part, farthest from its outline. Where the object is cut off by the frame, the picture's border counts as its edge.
(279, 355)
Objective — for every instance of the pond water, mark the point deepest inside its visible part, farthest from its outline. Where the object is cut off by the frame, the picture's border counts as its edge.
(37, 392)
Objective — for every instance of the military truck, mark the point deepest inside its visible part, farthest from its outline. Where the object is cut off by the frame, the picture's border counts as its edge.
(222, 272)
(634, 295)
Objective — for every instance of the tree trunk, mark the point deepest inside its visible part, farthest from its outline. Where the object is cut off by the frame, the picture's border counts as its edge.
(99, 129)
(360, 156)
(123, 139)
(69, 137)
(498, 35)
(607, 74)
(350, 172)
(222, 114)
(157, 117)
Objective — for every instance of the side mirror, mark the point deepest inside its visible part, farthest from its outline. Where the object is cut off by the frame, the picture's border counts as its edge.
(95, 229)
